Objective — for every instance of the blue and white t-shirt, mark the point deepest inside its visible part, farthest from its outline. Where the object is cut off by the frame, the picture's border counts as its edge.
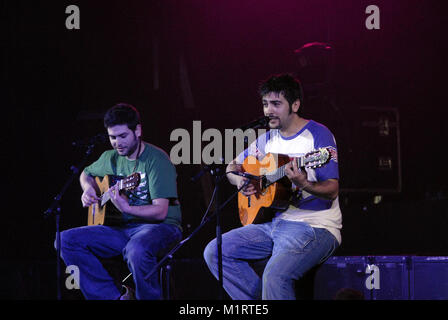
(317, 212)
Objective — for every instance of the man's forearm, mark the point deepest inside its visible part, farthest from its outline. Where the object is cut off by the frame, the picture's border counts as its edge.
(328, 189)
(233, 178)
(150, 212)
(86, 181)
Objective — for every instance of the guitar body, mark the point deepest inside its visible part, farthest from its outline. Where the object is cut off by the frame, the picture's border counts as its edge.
(274, 188)
(105, 214)
(262, 206)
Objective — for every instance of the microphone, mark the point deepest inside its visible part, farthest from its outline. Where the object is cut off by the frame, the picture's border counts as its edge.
(257, 123)
(246, 175)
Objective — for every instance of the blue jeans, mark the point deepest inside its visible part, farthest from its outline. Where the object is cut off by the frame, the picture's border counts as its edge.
(292, 248)
(140, 245)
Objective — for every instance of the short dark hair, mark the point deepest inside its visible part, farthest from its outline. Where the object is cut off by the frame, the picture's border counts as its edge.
(122, 113)
(285, 84)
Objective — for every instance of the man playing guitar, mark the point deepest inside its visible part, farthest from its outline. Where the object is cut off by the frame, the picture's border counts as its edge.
(308, 231)
(149, 219)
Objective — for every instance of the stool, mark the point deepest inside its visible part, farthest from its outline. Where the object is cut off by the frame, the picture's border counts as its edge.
(164, 278)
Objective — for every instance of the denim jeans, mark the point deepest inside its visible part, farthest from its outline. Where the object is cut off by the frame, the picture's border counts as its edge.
(292, 248)
(140, 245)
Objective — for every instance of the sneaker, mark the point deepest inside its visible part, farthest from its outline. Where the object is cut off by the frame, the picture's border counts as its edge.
(128, 293)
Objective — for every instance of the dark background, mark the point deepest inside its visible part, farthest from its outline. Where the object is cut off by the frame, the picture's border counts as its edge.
(179, 61)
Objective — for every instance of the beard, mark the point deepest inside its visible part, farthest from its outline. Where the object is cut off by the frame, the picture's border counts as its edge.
(128, 151)
(132, 149)
(276, 125)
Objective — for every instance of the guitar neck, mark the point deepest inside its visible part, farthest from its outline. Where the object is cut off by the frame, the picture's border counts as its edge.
(280, 172)
(106, 195)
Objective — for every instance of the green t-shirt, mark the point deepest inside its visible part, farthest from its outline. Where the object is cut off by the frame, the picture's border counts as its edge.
(158, 179)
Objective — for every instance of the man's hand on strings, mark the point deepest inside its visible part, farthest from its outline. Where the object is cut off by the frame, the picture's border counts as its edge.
(297, 176)
(119, 200)
(89, 197)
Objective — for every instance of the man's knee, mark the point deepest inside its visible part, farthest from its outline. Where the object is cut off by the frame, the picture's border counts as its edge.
(210, 252)
(68, 239)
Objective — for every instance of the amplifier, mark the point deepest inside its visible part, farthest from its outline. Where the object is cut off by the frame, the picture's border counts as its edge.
(382, 278)
(429, 278)
(371, 159)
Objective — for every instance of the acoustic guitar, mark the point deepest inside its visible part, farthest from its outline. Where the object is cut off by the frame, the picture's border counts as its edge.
(273, 187)
(102, 213)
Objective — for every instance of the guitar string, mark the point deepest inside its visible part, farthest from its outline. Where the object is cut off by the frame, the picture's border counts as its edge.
(280, 172)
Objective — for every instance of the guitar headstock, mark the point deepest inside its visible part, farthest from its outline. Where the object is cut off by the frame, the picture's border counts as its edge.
(316, 158)
(130, 182)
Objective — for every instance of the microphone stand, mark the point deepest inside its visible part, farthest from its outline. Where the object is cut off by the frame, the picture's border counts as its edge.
(215, 171)
(218, 177)
(55, 210)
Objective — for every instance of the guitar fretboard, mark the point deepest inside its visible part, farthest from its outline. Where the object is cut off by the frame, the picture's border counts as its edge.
(280, 172)
(313, 159)
(106, 195)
